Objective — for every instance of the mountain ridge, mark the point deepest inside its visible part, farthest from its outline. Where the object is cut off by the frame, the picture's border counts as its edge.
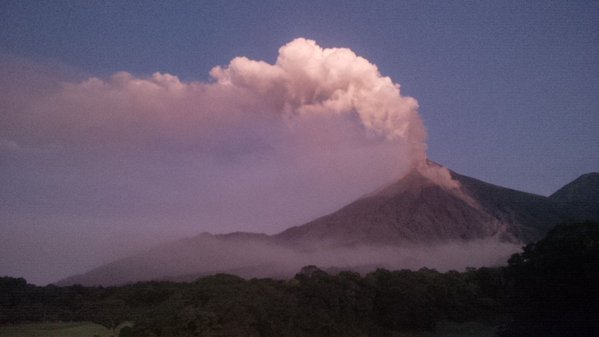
(582, 196)
(415, 202)
(419, 220)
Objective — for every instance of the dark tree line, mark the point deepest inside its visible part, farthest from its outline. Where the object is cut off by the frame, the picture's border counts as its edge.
(314, 303)
(550, 289)
(555, 284)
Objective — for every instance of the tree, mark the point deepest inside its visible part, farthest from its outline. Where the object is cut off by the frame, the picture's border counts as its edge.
(555, 280)
(109, 313)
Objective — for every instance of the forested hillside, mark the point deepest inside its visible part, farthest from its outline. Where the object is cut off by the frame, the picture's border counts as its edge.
(550, 289)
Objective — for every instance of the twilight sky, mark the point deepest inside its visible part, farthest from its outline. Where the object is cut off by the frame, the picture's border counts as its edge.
(127, 124)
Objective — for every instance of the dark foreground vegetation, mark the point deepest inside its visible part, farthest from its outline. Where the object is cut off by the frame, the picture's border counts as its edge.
(550, 289)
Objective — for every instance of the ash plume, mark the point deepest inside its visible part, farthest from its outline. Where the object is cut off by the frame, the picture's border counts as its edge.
(258, 147)
(308, 80)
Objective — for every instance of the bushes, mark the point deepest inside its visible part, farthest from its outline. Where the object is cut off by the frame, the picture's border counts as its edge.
(555, 284)
(551, 289)
(314, 303)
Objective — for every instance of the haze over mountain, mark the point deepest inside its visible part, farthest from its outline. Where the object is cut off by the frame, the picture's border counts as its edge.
(432, 217)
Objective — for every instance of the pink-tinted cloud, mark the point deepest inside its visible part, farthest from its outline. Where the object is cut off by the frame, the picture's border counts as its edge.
(307, 80)
(260, 147)
(307, 85)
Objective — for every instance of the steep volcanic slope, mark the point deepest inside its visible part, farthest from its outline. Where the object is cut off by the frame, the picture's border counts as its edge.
(414, 209)
(525, 216)
(580, 197)
(418, 209)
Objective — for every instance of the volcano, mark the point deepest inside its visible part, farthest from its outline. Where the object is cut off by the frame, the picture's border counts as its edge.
(418, 208)
(417, 221)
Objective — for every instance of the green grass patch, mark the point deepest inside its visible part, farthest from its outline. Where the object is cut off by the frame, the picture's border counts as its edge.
(452, 329)
(70, 329)
(468, 329)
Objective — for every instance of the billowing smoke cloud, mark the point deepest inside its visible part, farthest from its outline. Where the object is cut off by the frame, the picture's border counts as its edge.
(308, 80)
(126, 161)
(307, 85)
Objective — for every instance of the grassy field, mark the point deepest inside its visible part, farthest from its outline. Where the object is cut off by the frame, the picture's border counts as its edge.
(466, 329)
(72, 329)
(88, 329)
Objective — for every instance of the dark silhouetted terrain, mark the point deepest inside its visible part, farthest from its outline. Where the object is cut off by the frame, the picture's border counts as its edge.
(548, 289)
(581, 197)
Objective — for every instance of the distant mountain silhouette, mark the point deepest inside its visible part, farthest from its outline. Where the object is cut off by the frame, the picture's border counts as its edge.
(580, 197)
(419, 220)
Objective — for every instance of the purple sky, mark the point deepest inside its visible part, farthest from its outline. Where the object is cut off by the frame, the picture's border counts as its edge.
(99, 157)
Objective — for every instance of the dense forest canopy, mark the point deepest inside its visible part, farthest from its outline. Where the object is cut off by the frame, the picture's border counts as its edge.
(549, 289)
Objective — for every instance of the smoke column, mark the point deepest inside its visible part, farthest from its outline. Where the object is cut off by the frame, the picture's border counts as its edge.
(309, 80)
(307, 84)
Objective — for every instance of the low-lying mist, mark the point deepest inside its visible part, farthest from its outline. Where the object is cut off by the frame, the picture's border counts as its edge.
(262, 256)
